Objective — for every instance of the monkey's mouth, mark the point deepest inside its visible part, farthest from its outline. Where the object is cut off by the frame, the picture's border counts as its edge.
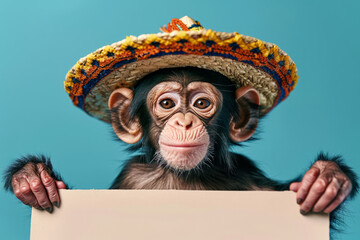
(184, 156)
(184, 148)
(183, 145)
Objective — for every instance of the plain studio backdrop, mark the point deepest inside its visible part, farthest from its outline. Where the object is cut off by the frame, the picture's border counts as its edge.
(41, 40)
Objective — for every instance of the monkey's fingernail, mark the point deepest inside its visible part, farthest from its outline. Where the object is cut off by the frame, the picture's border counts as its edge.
(57, 204)
(49, 209)
(302, 212)
(299, 200)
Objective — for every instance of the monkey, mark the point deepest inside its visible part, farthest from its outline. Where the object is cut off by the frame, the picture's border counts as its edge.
(182, 98)
(183, 121)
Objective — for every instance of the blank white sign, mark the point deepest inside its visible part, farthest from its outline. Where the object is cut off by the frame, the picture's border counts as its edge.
(175, 214)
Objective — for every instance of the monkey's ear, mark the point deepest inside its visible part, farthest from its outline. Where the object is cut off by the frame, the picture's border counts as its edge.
(244, 125)
(127, 129)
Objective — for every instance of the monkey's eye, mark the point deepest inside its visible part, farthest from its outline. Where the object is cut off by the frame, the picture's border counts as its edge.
(202, 103)
(167, 103)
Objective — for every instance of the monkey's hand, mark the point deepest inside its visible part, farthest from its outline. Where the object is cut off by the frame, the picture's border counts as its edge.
(34, 183)
(323, 188)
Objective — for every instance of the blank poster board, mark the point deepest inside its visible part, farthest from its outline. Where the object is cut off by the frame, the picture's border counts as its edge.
(175, 214)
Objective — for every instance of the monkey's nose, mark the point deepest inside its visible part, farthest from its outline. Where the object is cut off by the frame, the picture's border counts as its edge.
(184, 121)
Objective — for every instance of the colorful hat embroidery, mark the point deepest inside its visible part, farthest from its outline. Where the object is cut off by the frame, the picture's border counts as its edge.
(245, 60)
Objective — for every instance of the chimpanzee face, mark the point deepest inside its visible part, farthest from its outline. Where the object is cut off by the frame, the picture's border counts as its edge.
(183, 111)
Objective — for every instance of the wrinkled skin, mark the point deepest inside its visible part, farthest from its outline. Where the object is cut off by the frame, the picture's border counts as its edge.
(176, 113)
(323, 188)
(34, 186)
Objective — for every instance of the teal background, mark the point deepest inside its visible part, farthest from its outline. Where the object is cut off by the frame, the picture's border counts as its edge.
(41, 40)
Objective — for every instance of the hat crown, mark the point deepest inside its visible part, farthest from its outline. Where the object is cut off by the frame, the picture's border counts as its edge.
(183, 24)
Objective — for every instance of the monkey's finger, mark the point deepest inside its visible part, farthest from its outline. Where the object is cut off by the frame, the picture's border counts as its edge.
(306, 183)
(341, 196)
(316, 191)
(40, 193)
(17, 190)
(60, 185)
(329, 195)
(295, 186)
(50, 186)
(24, 193)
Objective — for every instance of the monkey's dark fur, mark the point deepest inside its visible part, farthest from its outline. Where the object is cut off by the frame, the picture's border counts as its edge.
(222, 171)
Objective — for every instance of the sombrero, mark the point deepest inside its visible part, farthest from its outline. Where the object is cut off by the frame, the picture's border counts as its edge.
(245, 60)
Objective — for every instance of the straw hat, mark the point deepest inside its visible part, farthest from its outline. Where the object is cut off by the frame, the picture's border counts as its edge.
(246, 61)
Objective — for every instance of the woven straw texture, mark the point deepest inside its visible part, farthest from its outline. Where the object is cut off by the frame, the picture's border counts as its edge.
(245, 60)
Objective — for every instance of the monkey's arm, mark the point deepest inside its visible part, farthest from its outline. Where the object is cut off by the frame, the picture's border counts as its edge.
(326, 185)
(33, 181)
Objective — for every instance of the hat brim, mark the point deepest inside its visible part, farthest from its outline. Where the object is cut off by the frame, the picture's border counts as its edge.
(244, 60)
